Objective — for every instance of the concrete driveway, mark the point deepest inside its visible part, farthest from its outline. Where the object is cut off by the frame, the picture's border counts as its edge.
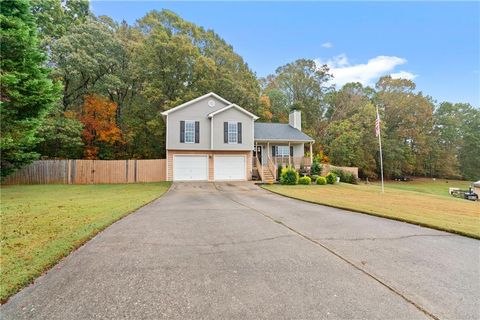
(234, 251)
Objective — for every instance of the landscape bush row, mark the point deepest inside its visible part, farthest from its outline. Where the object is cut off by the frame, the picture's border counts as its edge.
(290, 176)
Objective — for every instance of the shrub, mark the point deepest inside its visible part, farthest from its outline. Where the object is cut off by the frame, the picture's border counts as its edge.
(321, 181)
(331, 178)
(339, 173)
(279, 171)
(345, 176)
(351, 178)
(316, 168)
(305, 180)
(289, 176)
(315, 177)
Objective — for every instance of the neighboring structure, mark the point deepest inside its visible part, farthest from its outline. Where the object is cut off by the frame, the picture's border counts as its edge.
(212, 139)
(476, 187)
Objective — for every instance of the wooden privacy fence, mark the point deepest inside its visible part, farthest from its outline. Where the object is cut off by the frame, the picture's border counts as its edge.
(90, 172)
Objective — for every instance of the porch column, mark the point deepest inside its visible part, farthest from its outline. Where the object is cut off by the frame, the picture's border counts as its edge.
(311, 154)
(289, 162)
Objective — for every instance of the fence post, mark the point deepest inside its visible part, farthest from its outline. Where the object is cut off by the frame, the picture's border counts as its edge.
(126, 171)
(69, 170)
(74, 172)
(136, 168)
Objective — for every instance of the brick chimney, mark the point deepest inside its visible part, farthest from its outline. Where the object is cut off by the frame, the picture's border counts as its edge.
(295, 119)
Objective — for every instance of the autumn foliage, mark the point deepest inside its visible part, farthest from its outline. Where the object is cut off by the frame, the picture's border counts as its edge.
(266, 107)
(100, 128)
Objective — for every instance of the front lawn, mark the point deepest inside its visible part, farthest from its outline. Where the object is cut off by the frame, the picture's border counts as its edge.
(43, 223)
(441, 212)
(424, 185)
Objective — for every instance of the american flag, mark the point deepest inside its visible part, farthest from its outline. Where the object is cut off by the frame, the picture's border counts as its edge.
(377, 125)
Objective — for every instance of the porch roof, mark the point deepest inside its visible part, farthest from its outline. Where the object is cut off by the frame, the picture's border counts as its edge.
(279, 132)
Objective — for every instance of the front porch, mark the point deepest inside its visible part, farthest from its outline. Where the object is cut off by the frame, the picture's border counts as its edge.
(267, 155)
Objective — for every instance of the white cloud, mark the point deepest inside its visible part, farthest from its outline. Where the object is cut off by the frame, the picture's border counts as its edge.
(365, 73)
(327, 45)
(404, 75)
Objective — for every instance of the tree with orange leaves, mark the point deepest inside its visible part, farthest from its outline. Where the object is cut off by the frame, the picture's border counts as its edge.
(100, 131)
(266, 108)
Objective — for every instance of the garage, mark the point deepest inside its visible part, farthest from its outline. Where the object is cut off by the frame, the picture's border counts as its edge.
(230, 167)
(190, 168)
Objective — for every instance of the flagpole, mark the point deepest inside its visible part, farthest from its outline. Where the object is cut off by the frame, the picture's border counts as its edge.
(380, 145)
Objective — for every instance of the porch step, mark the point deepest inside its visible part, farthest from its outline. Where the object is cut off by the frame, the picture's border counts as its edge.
(268, 176)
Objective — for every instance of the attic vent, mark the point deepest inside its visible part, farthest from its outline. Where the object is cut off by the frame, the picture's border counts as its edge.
(211, 103)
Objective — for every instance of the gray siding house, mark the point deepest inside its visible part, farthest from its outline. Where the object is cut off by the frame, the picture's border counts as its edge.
(212, 139)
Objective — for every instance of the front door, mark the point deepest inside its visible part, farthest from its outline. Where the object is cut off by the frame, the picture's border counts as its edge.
(258, 153)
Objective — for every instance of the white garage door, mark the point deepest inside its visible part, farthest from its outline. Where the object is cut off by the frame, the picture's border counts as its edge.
(229, 168)
(190, 168)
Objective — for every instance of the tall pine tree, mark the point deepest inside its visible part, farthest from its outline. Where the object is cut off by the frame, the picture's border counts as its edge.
(26, 91)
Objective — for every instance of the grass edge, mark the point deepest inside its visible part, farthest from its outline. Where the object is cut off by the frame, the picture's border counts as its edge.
(421, 224)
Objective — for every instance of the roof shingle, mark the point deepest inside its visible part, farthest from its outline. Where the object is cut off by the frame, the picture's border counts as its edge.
(279, 131)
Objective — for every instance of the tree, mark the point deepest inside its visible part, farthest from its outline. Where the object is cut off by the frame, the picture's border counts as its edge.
(350, 142)
(348, 138)
(144, 130)
(213, 63)
(301, 85)
(266, 107)
(54, 18)
(27, 93)
(100, 131)
(407, 118)
(447, 140)
(85, 59)
(469, 153)
(61, 135)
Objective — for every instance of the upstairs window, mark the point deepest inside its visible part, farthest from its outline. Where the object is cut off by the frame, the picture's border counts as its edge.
(189, 131)
(232, 132)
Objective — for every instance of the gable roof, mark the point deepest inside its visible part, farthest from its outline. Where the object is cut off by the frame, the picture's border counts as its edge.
(210, 115)
(210, 94)
(279, 132)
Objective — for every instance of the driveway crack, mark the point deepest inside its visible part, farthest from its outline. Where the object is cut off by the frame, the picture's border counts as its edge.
(218, 244)
(387, 238)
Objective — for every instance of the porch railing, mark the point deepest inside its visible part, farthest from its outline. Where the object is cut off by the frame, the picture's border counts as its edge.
(272, 167)
(259, 168)
(294, 161)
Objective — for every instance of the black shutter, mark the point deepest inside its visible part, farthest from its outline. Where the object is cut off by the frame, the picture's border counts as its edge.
(197, 131)
(239, 132)
(291, 151)
(273, 151)
(225, 132)
(182, 131)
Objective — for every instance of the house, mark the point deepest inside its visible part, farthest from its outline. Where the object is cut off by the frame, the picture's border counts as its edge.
(212, 139)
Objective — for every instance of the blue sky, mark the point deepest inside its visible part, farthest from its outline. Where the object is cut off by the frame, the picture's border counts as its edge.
(434, 43)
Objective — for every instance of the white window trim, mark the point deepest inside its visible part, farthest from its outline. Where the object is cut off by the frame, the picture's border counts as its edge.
(190, 121)
(236, 132)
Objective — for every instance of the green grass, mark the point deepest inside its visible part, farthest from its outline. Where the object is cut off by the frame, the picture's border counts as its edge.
(41, 224)
(415, 202)
(438, 187)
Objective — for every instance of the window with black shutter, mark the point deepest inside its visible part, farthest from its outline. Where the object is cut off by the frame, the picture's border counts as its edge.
(197, 131)
(182, 131)
(239, 135)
